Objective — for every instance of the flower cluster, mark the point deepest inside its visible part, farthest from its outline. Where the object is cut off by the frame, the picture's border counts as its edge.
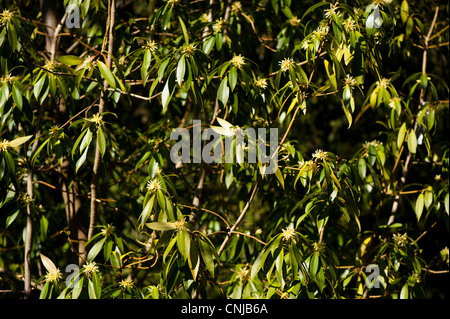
(319, 247)
(5, 17)
(237, 61)
(6, 79)
(218, 26)
(153, 185)
(319, 155)
(180, 224)
(329, 13)
(126, 283)
(321, 31)
(288, 234)
(285, 64)
(394, 102)
(242, 273)
(4, 146)
(151, 45)
(294, 21)
(349, 24)
(53, 275)
(108, 230)
(383, 83)
(236, 7)
(261, 83)
(350, 80)
(400, 240)
(90, 268)
(189, 50)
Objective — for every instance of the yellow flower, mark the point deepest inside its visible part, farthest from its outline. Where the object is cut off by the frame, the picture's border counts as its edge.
(189, 50)
(7, 79)
(400, 240)
(261, 83)
(126, 283)
(288, 234)
(4, 146)
(349, 80)
(383, 83)
(319, 155)
(97, 119)
(329, 13)
(53, 275)
(444, 255)
(5, 17)
(294, 21)
(153, 185)
(108, 230)
(236, 7)
(305, 45)
(242, 273)
(285, 64)
(319, 247)
(349, 24)
(218, 26)
(152, 46)
(321, 31)
(394, 101)
(51, 66)
(237, 61)
(173, 2)
(180, 224)
(90, 267)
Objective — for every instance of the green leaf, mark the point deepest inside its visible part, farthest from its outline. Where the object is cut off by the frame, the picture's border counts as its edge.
(404, 292)
(101, 141)
(372, 155)
(181, 69)
(412, 141)
(428, 199)
(314, 7)
(419, 206)
(93, 252)
(91, 290)
(78, 288)
(17, 96)
(147, 210)
(161, 225)
(19, 141)
(183, 28)
(232, 78)
(362, 167)
(314, 264)
(404, 13)
(401, 135)
(107, 75)
(38, 86)
(446, 203)
(279, 176)
(70, 59)
(168, 91)
(208, 45)
(183, 243)
(223, 92)
(97, 285)
(10, 219)
(44, 290)
(145, 65)
(207, 256)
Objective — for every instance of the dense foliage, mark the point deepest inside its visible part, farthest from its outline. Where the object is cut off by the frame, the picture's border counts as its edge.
(93, 206)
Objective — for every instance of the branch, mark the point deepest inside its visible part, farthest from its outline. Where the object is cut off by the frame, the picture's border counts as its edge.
(241, 216)
(416, 123)
(109, 36)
